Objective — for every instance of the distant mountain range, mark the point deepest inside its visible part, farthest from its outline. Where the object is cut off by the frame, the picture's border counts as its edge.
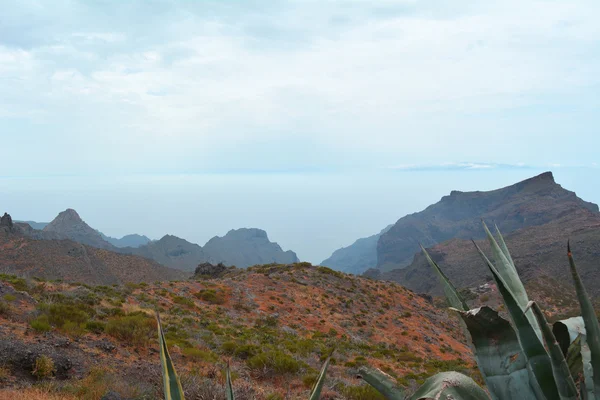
(358, 257)
(242, 247)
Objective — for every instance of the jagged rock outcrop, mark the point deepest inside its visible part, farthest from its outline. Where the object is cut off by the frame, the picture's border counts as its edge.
(208, 270)
(246, 247)
(533, 202)
(6, 221)
(69, 225)
(358, 257)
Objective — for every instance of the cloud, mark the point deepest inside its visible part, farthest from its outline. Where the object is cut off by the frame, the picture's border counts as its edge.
(353, 83)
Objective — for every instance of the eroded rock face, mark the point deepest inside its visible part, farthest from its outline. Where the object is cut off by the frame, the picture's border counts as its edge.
(210, 270)
(6, 221)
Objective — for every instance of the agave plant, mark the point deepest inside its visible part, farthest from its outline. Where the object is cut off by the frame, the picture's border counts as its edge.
(522, 360)
(172, 385)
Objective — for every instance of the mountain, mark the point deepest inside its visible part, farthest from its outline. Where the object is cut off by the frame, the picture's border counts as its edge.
(171, 251)
(132, 240)
(70, 225)
(34, 225)
(246, 247)
(273, 324)
(72, 261)
(539, 253)
(533, 202)
(358, 257)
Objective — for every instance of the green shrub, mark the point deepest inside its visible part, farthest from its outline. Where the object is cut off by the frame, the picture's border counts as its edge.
(363, 392)
(184, 301)
(134, 329)
(73, 329)
(211, 296)
(41, 323)
(95, 326)
(199, 355)
(9, 297)
(276, 361)
(59, 314)
(4, 308)
(43, 367)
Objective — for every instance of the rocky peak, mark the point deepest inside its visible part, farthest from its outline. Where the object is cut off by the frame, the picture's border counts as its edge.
(69, 224)
(6, 221)
(247, 233)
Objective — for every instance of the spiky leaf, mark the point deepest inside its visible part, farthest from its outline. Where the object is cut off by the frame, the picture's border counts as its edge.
(454, 298)
(533, 349)
(382, 383)
(316, 392)
(171, 384)
(507, 270)
(228, 386)
(592, 327)
(562, 375)
(450, 385)
(499, 355)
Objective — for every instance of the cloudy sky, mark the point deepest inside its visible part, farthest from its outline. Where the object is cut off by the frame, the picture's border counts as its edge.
(111, 88)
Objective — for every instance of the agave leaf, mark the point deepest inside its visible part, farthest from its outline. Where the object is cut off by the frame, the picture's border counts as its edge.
(499, 355)
(228, 386)
(382, 383)
(316, 392)
(171, 384)
(504, 248)
(454, 298)
(537, 358)
(507, 270)
(450, 385)
(574, 358)
(567, 332)
(562, 374)
(592, 327)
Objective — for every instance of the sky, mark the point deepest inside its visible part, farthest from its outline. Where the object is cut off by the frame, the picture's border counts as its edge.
(319, 121)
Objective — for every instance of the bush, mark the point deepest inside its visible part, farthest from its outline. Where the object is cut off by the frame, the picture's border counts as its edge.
(364, 392)
(43, 367)
(275, 361)
(199, 355)
(184, 301)
(10, 297)
(4, 308)
(73, 329)
(133, 329)
(211, 296)
(58, 314)
(95, 326)
(41, 323)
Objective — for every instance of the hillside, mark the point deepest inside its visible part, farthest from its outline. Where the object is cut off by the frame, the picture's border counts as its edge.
(275, 324)
(533, 202)
(246, 247)
(131, 240)
(68, 260)
(358, 257)
(539, 253)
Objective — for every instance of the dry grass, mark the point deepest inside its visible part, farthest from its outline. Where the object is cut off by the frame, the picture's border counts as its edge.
(32, 394)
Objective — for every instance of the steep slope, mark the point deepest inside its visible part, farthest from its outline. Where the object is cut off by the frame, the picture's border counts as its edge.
(171, 251)
(75, 262)
(358, 257)
(532, 202)
(132, 240)
(70, 225)
(246, 247)
(539, 253)
(274, 324)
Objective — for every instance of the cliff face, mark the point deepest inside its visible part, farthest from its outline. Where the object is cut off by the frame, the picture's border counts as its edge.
(246, 247)
(358, 257)
(539, 253)
(533, 202)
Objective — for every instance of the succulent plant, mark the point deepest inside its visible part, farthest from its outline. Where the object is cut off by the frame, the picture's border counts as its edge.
(522, 360)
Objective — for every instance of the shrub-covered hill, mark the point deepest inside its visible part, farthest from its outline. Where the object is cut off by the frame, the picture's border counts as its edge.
(274, 323)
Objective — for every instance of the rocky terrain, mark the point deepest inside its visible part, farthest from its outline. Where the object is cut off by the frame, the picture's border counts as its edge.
(274, 323)
(358, 257)
(69, 260)
(533, 202)
(68, 224)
